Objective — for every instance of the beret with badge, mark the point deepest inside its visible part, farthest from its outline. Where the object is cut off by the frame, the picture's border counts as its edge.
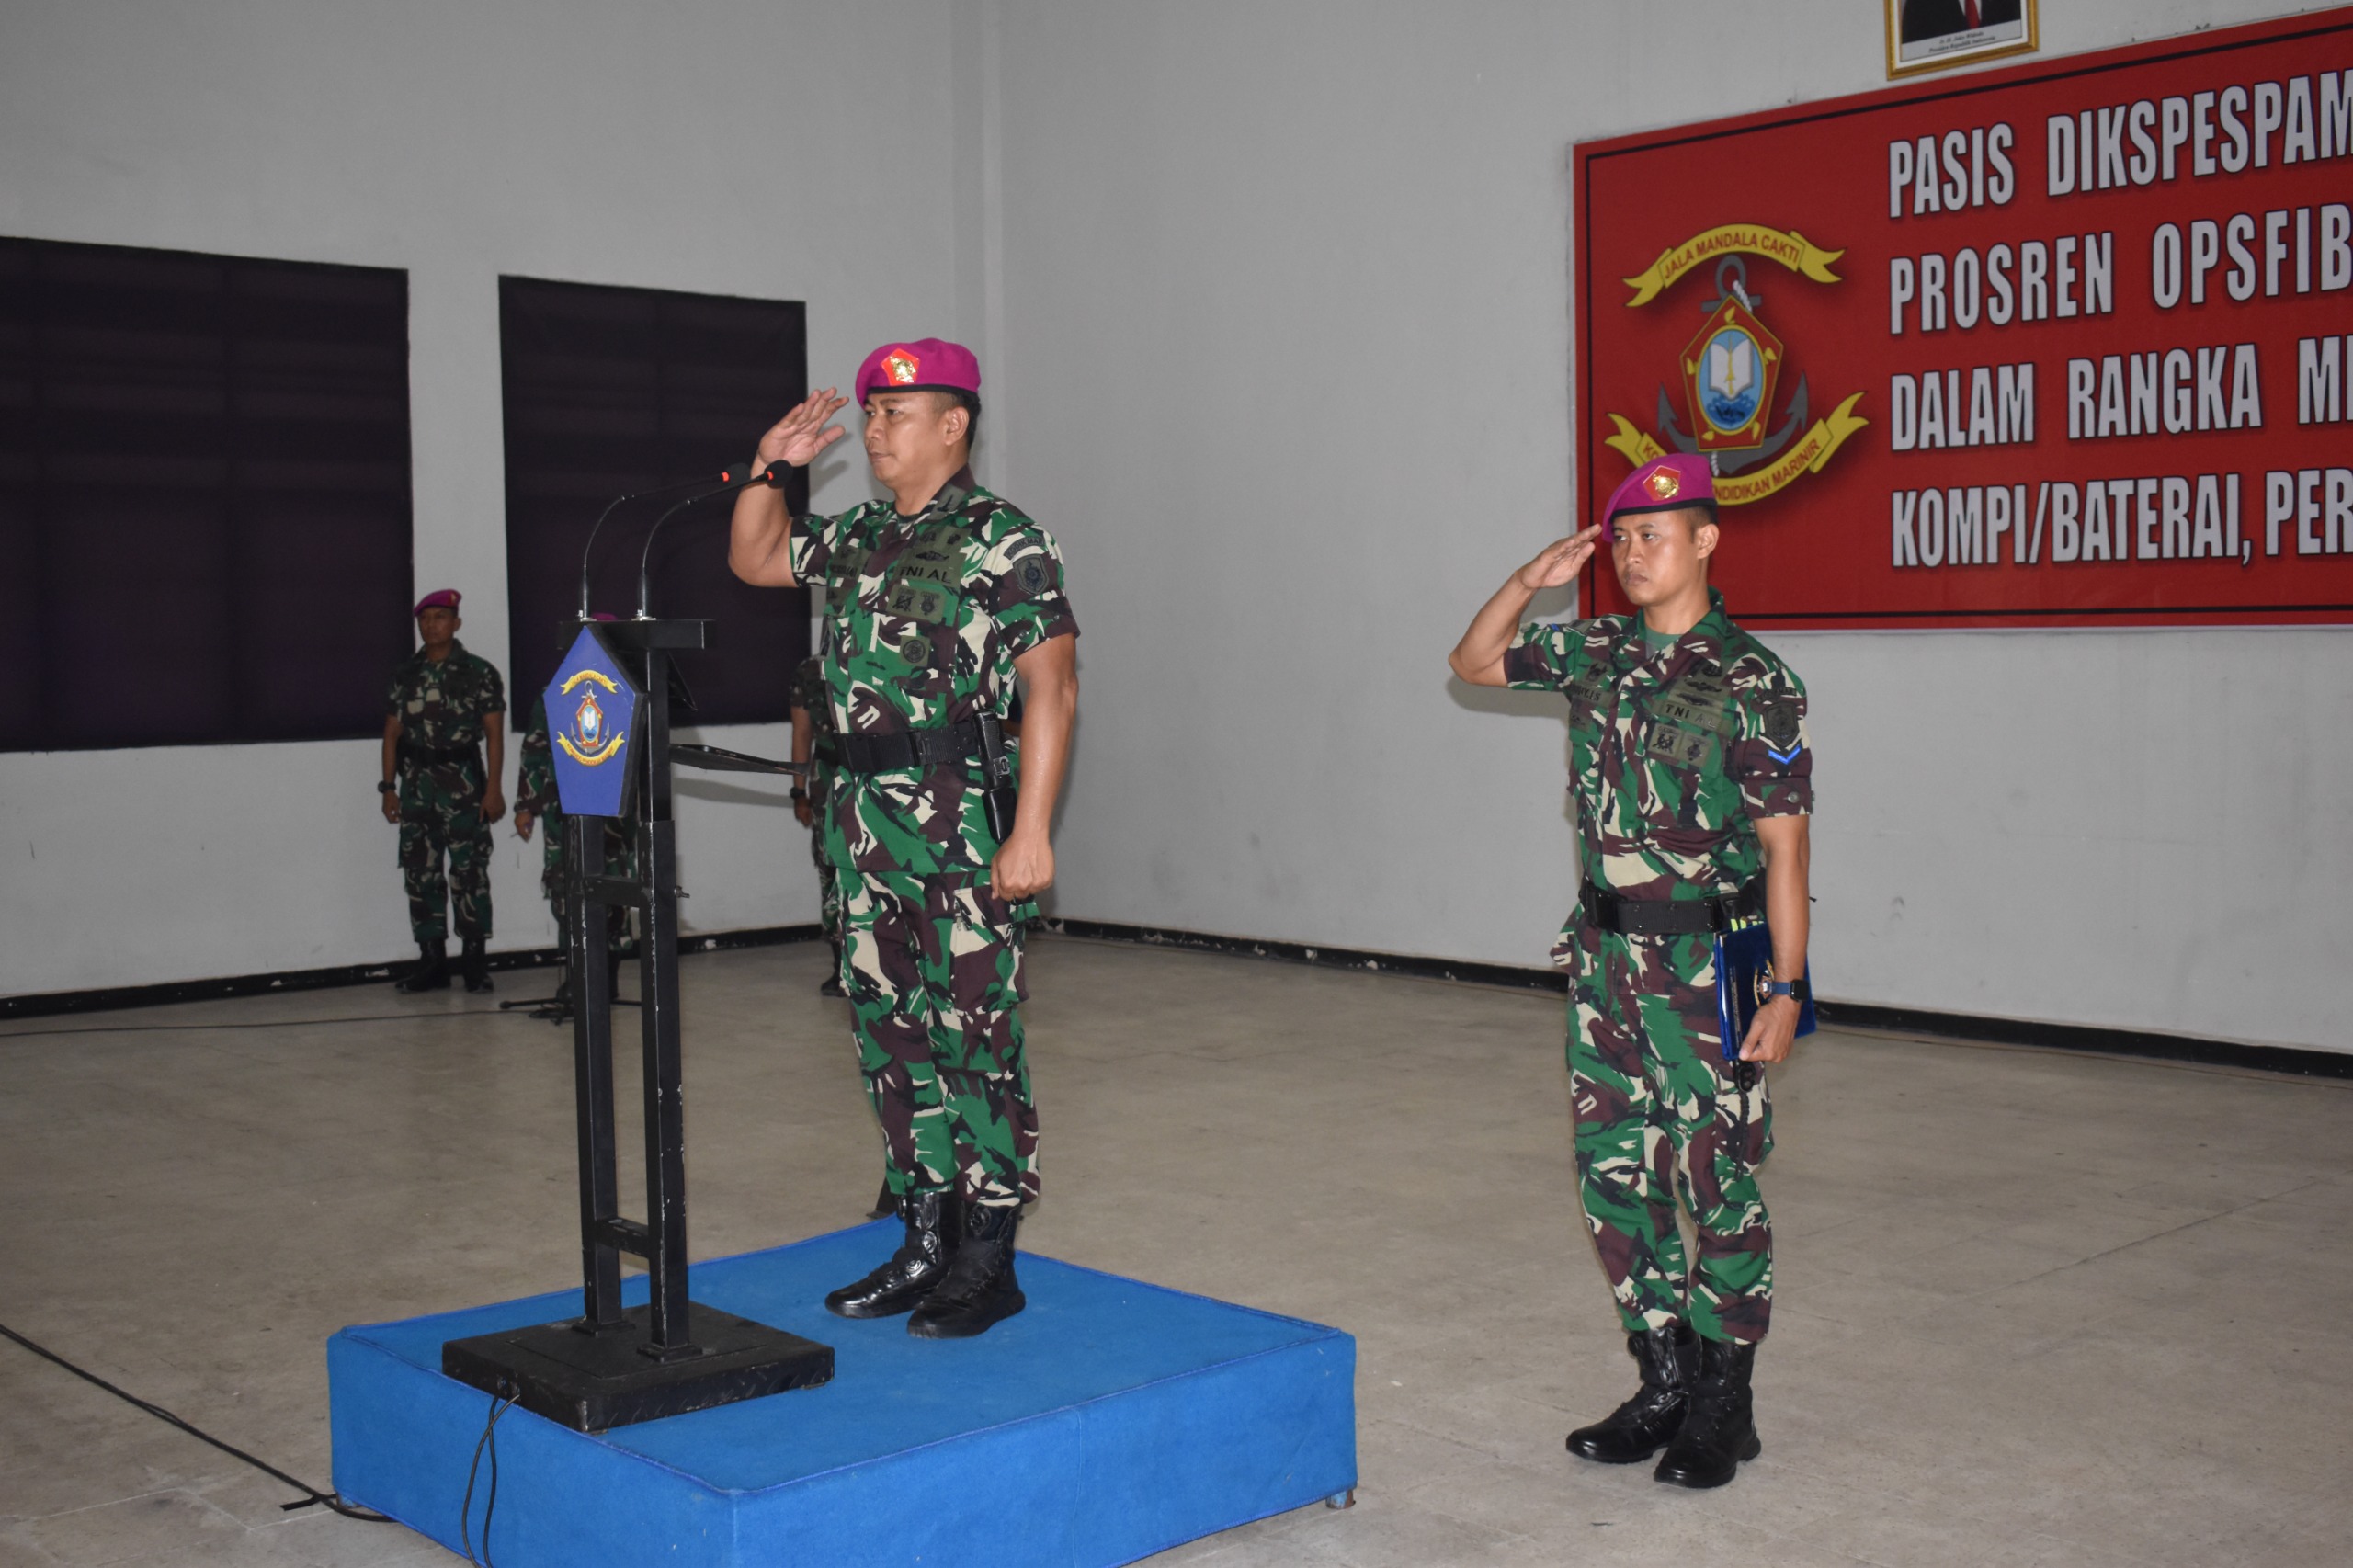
(929, 364)
(1669, 483)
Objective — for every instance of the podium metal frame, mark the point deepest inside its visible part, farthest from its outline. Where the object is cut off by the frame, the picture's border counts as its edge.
(613, 1366)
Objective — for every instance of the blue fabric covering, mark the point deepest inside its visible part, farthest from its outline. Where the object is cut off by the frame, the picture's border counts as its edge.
(1112, 1420)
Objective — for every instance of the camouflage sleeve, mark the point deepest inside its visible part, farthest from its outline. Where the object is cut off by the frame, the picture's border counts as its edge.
(1544, 656)
(1772, 757)
(392, 694)
(535, 781)
(1020, 583)
(806, 689)
(494, 690)
(809, 545)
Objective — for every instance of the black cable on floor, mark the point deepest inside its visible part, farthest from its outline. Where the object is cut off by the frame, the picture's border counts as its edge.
(498, 1407)
(266, 1024)
(311, 1495)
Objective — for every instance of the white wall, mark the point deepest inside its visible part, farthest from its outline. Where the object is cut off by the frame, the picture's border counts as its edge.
(1274, 302)
(730, 146)
(1288, 340)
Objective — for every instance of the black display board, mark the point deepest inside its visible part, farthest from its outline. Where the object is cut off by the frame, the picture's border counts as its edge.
(204, 496)
(610, 390)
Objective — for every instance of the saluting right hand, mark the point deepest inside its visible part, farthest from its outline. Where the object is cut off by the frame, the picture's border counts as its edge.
(1558, 563)
(797, 438)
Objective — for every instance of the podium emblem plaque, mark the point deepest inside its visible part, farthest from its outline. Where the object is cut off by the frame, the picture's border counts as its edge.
(593, 707)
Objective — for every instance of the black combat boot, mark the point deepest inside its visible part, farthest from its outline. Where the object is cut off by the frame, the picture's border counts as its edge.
(474, 964)
(1669, 1358)
(432, 971)
(980, 1290)
(1719, 1428)
(832, 985)
(919, 1265)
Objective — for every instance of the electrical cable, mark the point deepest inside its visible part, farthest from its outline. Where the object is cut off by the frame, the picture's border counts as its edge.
(498, 1407)
(269, 1024)
(311, 1495)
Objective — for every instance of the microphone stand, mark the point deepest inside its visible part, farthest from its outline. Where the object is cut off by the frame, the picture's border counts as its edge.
(773, 476)
(616, 504)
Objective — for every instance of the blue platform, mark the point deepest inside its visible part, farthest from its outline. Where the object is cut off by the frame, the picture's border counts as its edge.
(1112, 1420)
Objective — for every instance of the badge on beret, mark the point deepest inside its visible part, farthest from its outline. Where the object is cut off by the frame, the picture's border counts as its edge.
(1663, 484)
(899, 368)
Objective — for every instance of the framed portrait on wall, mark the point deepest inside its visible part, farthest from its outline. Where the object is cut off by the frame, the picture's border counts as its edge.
(1934, 35)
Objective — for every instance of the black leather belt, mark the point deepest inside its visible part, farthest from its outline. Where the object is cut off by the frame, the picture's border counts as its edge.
(1671, 918)
(896, 750)
(418, 753)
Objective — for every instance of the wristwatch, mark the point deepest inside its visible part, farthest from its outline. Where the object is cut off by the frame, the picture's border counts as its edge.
(1799, 990)
(386, 787)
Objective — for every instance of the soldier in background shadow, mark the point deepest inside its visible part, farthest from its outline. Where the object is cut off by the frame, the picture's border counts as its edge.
(443, 708)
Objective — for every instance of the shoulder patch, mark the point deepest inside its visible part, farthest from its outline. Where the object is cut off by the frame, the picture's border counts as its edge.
(1779, 715)
(1032, 576)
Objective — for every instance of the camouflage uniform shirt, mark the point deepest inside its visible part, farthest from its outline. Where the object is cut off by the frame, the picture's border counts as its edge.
(442, 705)
(1672, 753)
(925, 618)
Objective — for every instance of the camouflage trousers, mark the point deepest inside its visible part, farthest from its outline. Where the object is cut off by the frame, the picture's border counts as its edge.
(829, 884)
(933, 968)
(441, 815)
(1659, 1117)
(553, 830)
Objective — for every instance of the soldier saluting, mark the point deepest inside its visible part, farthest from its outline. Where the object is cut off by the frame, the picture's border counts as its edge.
(1694, 781)
(443, 708)
(935, 601)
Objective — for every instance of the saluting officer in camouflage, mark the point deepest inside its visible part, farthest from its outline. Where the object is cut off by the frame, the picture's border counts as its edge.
(443, 708)
(935, 601)
(812, 745)
(536, 800)
(1694, 780)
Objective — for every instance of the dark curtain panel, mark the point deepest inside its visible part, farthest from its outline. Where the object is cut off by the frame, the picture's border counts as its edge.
(612, 391)
(204, 496)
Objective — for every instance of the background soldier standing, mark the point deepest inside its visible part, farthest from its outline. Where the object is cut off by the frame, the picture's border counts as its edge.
(934, 601)
(444, 707)
(1693, 781)
(812, 743)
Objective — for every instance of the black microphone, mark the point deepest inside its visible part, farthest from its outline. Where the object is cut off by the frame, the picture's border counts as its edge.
(774, 475)
(616, 504)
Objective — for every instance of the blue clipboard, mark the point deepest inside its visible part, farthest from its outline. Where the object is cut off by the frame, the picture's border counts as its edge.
(1743, 971)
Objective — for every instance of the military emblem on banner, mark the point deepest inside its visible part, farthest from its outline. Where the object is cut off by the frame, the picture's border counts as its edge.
(1730, 374)
(593, 705)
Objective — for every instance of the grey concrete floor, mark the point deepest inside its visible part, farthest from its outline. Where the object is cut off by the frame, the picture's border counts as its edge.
(2035, 1308)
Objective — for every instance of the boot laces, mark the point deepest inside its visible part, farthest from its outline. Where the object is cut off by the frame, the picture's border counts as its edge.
(1709, 1413)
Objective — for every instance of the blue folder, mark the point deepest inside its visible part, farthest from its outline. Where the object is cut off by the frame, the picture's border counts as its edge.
(1743, 971)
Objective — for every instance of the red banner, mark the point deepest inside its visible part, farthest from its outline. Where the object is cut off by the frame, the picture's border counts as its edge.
(2065, 344)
